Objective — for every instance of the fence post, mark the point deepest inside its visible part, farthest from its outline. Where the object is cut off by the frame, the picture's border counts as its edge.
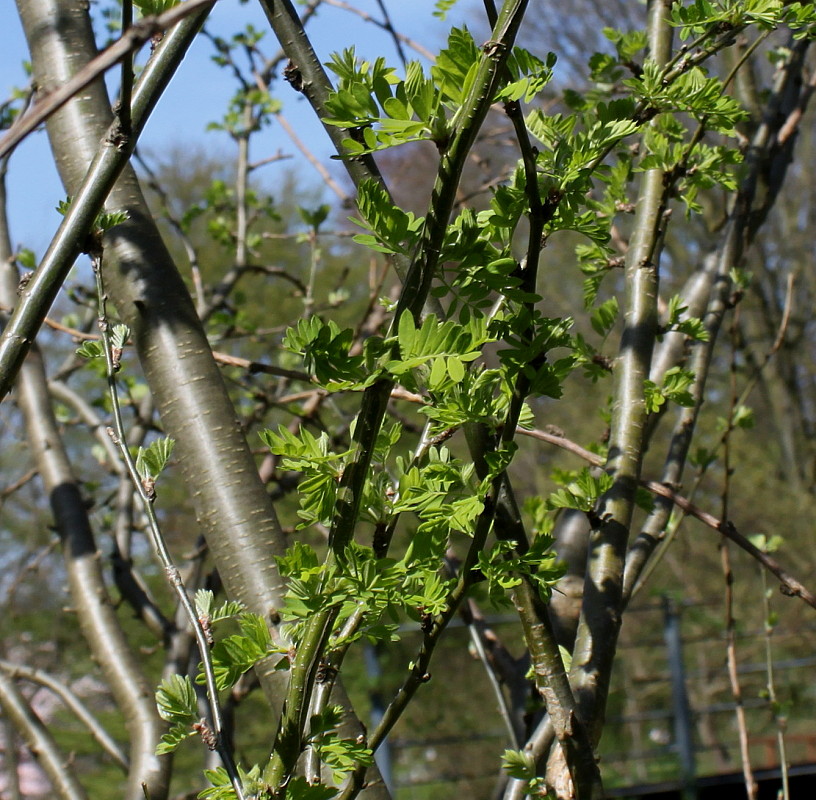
(383, 754)
(683, 731)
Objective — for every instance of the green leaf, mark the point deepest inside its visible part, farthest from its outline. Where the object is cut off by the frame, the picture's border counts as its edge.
(300, 789)
(173, 738)
(91, 349)
(176, 700)
(120, 336)
(442, 7)
(235, 655)
(603, 316)
(518, 764)
(582, 491)
(438, 374)
(566, 657)
(395, 230)
(149, 7)
(151, 460)
(314, 218)
(205, 607)
(26, 258)
(456, 369)
(676, 383)
(420, 91)
(653, 397)
(454, 66)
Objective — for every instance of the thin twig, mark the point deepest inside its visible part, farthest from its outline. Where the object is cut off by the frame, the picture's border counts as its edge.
(9, 490)
(400, 38)
(159, 544)
(311, 158)
(751, 786)
(59, 771)
(790, 585)
(388, 26)
(72, 702)
(780, 717)
(132, 39)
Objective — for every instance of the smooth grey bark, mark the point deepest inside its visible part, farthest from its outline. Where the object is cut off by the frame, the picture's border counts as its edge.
(72, 702)
(600, 619)
(232, 507)
(97, 617)
(39, 740)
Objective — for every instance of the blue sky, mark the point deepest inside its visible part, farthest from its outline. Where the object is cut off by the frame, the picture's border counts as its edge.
(183, 113)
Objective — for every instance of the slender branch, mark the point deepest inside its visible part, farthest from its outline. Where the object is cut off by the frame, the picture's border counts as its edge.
(72, 702)
(387, 25)
(101, 175)
(11, 760)
(126, 89)
(65, 394)
(147, 496)
(39, 740)
(399, 38)
(644, 546)
(152, 181)
(751, 786)
(289, 130)
(780, 715)
(790, 585)
(97, 618)
(478, 642)
(132, 39)
(14, 486)
(600, 618)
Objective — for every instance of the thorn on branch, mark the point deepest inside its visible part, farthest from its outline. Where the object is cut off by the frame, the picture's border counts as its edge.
(493, 48)
(207, 734)
(325, 673)
(23, 283)
(206, 628)
(293, 76)
(149, 486)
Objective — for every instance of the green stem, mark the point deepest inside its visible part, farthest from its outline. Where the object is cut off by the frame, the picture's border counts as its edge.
(423, 267)
(603, 593)
(290, 737)
(157, 538)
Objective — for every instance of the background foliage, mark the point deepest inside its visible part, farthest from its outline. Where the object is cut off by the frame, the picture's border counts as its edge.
(420, 422)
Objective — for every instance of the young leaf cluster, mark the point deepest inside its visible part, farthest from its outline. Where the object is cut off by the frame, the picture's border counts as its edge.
(231, 656)
(382, 110)
(675, 387)
(504, 568)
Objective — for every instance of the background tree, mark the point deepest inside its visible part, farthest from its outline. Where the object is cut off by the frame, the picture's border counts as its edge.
(401, 385)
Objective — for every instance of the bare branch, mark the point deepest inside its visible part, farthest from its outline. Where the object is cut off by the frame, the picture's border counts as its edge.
(132, 39)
